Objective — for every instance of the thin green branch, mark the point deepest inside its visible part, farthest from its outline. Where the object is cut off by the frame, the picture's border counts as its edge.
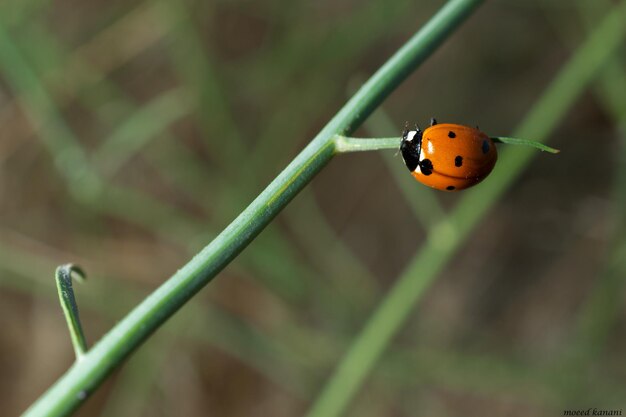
(525, 142)
(85, 376)
(347, 144)
(63, 277)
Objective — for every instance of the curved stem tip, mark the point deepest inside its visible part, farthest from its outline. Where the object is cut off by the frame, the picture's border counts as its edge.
(525, 142)
(63, 276)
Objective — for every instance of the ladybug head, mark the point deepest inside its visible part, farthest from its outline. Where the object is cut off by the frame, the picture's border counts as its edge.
(410, 147)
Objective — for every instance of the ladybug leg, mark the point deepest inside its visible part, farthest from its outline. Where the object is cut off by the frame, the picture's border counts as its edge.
(433, 121)
(417, 128)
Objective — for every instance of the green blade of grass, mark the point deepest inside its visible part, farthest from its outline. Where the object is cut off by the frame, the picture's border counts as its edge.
(439, 248)
(525, 142)
(84, 377)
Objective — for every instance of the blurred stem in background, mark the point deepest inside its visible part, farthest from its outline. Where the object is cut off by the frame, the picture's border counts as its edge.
(394, 309)
(600, 312)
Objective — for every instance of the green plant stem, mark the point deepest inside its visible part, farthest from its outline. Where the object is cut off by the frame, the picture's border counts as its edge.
(440, 247)
(348, 144)
(85, 376)
(63, 277)
(525, 142)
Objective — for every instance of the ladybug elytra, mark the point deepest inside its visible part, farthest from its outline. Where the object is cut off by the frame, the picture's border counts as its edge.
(448, 156)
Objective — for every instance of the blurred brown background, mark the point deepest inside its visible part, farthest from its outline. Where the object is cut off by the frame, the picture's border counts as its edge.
(132, 132)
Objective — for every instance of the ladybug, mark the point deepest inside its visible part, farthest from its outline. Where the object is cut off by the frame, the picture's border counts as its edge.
(448, 156)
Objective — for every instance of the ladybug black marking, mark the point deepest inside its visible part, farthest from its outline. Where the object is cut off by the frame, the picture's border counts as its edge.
(458, 161)
(426, 166)
(450, 187)
(451, 135)
(411, 149)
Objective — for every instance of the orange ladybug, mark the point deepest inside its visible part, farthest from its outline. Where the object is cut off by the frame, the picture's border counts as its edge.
(448, 156)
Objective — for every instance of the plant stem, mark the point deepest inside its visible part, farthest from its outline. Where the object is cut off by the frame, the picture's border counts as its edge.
(348, 144)
(85, 376)
(525, 142)
(63, 278)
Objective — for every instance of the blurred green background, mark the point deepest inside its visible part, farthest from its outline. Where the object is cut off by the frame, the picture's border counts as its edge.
(132, 132)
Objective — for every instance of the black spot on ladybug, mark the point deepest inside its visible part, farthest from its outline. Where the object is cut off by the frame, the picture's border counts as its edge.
(485, 146)
(426, 166)
(458, 161)
(451, 135)
(450, 187)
